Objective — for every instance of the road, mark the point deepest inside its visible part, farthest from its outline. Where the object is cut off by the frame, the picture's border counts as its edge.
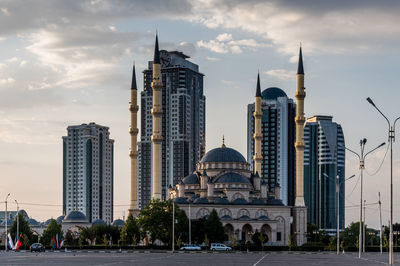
(194, 258)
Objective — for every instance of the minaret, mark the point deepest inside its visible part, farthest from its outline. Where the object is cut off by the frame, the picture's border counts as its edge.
(299, 144)
(257, 129)
(133, 153)
(156, 111)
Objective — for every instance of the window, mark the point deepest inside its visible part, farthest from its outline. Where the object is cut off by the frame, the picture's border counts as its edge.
(278, 236)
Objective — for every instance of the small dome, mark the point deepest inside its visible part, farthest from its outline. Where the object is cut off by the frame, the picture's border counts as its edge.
(226, 217)
(240, 201)
(223, 154)
(47, 222)
(222, 201)
(263, 217)
(118, 223)
(272, 93)
(75, 216)
(191, 179)
(33, 222)
(232, 177)
(257, 201)
(60, 218)
(98, 222)
(274, 202)
(244, 217)
(180, 200)
(201, 201)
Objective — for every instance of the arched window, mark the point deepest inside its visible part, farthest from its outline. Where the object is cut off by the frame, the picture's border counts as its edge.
(261, 213)
(243, 212)
(202, 213)
(237, 196)
(225, 212)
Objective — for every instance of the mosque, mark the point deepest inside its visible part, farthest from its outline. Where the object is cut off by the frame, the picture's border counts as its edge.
(223, 179)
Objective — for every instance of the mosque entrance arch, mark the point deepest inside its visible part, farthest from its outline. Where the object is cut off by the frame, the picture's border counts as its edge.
(247, 232)
(229, 232)
(266, 229)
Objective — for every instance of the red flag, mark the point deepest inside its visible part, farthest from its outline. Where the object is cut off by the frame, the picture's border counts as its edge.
(18, 245)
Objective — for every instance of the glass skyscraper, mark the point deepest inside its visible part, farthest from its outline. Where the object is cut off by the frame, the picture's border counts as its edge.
(324, 160)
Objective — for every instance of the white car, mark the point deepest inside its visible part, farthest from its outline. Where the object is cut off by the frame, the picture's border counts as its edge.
(218, 246)
(190, 247)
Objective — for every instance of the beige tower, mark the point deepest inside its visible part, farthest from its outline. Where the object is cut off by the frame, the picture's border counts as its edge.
(156, 137)
(299, 211)
(133, 153)
(299, 144)
(257, 129)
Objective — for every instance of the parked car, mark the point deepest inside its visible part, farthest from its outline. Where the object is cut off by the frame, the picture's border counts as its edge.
(190, 247)
(37, 247)
(219, 246)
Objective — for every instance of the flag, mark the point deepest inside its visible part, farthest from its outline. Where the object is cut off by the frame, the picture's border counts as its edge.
(62, 243)
(10, 242)
(18, 244)
(54, 242)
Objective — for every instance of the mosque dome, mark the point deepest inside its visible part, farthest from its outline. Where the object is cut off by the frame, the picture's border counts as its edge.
(75, 216)
(223, 154)
(98, 222)
(223, 201)
(118, 223)
(33, 222)
(232, 177)
(191, 179)
(180, 200)
(60, 218)
(272, 93)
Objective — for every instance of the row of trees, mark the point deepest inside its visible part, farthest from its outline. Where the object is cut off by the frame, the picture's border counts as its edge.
(153, 223)
(349, 237)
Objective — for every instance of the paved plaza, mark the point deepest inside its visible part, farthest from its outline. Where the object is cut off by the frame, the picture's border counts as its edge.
(194, 258)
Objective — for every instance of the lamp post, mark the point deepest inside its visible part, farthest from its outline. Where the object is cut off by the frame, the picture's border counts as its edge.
(391, 138)
(6, 216)
(338, 208)
(17, 218)
(361, 158)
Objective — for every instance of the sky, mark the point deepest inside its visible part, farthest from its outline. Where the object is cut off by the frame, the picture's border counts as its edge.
(69, 62)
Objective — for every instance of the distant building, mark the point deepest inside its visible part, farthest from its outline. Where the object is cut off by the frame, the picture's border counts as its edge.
(277, 144)
(182, 122)
(324, 160)
(88, 172)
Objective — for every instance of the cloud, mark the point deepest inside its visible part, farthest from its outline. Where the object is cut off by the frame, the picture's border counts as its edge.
(209, 58)
(339, 27)
(224, 43)
(282, 74)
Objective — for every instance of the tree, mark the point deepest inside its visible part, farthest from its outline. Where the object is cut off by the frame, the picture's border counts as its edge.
(24, 228)
(87, 236)
(130, 232)
(213, 227)
(156, 219)
(52, 229)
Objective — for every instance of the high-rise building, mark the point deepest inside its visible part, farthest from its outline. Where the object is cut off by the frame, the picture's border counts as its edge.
(182, 122)
(88, 171)
(277, 141)
(324, 161)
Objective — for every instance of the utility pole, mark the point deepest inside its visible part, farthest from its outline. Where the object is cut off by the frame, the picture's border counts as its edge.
(190, 227)
(6, 218)
(364, 229)
(380, 222)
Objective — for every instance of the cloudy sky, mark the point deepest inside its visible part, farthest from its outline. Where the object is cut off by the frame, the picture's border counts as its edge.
(69, 62)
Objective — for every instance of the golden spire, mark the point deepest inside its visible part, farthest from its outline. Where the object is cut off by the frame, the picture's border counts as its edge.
(223, 142)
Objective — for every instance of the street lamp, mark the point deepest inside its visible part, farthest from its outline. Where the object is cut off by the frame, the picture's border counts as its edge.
(391, 140)
(338, 207)
(6, 216)
(361, 158)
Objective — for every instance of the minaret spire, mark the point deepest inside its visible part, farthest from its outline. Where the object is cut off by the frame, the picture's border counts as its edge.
(156, 52)
(300, 69)
(133, 153)
(258, 89)
(156, 137)
(133, 84)
(257, 158)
